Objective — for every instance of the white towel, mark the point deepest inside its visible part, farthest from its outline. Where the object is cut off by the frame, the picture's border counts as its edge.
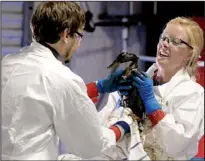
(129, 147)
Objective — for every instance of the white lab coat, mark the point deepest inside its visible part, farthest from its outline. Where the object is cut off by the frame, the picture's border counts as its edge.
(177, 135)
(44, 101)
(129, 146)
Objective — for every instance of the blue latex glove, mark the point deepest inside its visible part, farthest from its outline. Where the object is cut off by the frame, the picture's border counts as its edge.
(112, 83)
(144, 85)
(125, 86)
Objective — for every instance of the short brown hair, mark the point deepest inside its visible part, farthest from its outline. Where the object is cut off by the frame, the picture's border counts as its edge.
(50, 19)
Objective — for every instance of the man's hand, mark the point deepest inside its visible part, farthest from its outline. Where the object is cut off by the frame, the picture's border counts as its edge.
(122, 119)
(113, 83)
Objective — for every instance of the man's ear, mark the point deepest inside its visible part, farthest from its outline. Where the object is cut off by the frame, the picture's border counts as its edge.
(65, 35)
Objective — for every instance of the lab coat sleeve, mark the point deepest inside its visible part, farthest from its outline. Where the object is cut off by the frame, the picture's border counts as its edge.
(179, 133)
(77, 125)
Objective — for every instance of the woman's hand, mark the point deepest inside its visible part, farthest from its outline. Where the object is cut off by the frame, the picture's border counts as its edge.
(144, 85)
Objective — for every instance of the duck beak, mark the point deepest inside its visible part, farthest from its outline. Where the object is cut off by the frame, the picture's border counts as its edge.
(114, 64)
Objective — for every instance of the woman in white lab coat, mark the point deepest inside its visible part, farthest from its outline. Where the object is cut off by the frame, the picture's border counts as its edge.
(173, 100)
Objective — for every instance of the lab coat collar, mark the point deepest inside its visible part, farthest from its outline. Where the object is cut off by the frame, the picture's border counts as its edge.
(166, 88)
(37, 49)
(54, 51)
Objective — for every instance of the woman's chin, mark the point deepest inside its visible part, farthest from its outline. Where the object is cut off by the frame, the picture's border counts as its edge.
(162, 62)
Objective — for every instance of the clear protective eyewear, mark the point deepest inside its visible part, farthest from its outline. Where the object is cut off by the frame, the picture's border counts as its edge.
(80, 36)
(174, 41)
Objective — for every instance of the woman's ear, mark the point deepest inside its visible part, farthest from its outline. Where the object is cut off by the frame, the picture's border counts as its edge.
(189, 56)
(192, 58)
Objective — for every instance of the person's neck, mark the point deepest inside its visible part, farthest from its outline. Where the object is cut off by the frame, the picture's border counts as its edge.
(166, 75)
(58, 48)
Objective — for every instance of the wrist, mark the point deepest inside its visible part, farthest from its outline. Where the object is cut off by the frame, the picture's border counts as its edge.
(92, 90)
(156, 116)
(99, 85)
(151, 106)
(117, 132)
(124, 125)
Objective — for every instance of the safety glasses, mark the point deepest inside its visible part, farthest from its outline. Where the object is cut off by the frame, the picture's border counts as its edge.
(79, 35)
(174, 41)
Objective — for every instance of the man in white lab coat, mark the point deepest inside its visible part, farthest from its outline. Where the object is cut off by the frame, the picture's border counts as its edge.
(44, 101)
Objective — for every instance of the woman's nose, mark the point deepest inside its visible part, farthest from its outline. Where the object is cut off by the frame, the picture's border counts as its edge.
(165, 42)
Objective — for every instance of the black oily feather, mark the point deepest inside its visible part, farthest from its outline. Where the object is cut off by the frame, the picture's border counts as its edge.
(134, 102)
(133, 99)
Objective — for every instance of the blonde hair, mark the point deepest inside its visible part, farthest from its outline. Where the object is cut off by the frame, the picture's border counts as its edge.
(195, 39)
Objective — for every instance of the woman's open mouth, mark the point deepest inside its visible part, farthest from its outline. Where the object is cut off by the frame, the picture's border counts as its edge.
(163, 54)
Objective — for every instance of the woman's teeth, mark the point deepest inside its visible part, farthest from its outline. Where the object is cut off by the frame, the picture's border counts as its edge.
(162, 54)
